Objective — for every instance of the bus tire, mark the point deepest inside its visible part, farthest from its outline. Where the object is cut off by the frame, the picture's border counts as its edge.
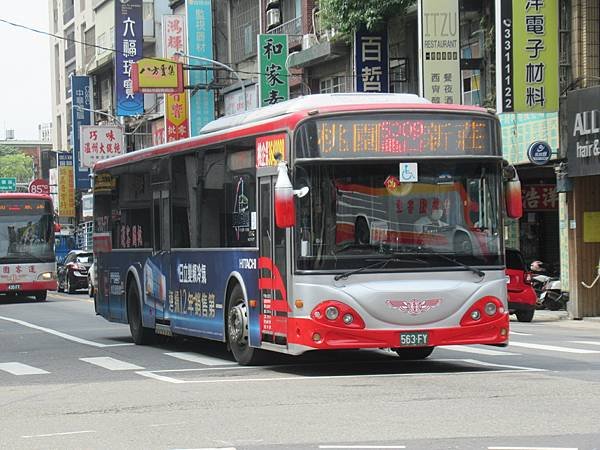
(237, 330)
(70, 289)
(362, 234)
(140, 334)
(415, 353)
(41, 296)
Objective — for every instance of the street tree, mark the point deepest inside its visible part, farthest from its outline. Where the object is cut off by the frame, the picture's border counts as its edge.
(14, 164)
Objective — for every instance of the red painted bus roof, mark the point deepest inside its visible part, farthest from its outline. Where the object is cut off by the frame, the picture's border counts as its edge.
(24, 195)
(286, 115)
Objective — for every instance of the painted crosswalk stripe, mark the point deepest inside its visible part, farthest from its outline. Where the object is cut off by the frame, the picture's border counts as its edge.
(477, 350)
(552, 348)
(517, 333)
(111, 363)
(201, 359)
(586, 342)
(21, 369)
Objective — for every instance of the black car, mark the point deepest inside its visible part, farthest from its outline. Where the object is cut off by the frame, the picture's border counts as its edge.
(73, 272)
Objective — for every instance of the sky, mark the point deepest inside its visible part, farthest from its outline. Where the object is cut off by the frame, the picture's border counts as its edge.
(25, 85)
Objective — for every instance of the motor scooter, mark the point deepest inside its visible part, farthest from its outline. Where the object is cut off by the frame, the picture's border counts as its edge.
(552, 296)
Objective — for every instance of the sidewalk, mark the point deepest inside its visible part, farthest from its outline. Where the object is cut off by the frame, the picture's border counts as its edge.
(543, 315)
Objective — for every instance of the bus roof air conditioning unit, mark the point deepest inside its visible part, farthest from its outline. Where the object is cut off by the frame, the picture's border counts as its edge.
(273, 18)
(272, 4)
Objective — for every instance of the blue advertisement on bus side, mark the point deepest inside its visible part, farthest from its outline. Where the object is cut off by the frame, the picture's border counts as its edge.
(186, 289)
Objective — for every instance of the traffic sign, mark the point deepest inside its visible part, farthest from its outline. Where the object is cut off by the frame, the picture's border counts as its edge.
(39, 186)
(8, 184)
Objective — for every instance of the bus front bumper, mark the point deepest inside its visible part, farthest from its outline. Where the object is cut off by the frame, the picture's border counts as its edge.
(309, 333)
(27, 286)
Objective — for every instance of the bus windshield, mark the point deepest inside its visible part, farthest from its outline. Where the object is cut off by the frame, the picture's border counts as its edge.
(26, 231)
(355, 214)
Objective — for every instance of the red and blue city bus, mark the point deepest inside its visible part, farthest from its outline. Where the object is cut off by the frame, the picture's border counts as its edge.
(27, 262)
(304, 225)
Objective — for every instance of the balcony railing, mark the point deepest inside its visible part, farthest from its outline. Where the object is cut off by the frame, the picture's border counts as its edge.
(293, 28)
(68, 14)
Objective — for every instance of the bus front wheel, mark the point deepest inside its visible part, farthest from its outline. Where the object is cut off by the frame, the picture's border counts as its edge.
(140, 334)
(237, 330)
(407, 354)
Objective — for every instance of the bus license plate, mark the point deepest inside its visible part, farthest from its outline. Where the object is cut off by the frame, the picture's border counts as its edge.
(14, 287)
(414, 339)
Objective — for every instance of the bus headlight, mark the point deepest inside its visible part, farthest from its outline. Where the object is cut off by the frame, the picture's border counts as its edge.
(490, 308)
(46, 276)
(332, 313)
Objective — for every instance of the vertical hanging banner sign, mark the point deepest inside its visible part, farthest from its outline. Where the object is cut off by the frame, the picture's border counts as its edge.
(371, 62)
(529, 75)
(274, 85)
(440, 51)
(177, 124)
(200, 44)
(81, 92)
(128, 45)
(66, 191)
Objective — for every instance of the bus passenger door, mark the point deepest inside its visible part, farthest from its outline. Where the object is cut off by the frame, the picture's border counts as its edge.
(158, 269)
(272, 282)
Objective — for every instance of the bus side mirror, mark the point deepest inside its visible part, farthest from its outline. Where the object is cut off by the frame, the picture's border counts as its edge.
(285, 210)
(514, 203)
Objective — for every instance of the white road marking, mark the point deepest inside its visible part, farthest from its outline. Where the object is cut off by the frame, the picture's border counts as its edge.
(532, 448)
(552, 348)
(477, 350)
(503, 368)
(21, 369)
(61, 334)
(201, 359)
(66, 433)
(587, 342)
(111, 363)
(520, 334)
(363, 446)
(207, 448)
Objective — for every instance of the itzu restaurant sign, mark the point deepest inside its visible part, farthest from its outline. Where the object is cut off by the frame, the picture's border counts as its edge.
(583, 132)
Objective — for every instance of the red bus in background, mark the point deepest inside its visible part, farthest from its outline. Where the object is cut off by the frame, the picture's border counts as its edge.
(27, 261)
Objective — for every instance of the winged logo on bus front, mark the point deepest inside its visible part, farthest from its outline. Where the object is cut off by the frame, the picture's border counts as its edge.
(414, 307)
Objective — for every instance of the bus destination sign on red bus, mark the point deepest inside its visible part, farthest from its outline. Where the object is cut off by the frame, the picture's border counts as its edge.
(405, 135)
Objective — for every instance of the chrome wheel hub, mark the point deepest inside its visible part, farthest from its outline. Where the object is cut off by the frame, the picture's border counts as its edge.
(238, 324)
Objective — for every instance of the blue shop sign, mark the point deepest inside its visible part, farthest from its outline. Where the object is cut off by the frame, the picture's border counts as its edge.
(539, 153)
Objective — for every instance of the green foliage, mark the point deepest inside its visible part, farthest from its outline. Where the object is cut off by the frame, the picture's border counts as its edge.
(346, 16)
(14, 164)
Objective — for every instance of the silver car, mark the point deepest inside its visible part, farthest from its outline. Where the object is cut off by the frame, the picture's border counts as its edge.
(92, 280)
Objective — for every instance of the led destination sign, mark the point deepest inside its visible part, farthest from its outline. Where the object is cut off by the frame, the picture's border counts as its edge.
(8, 207)
(394, 135)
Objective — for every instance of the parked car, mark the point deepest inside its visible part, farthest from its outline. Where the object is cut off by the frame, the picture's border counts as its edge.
(521, 295)
(73, 272)
(92, 280)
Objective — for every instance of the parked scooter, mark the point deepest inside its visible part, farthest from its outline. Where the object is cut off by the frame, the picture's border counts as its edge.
(548, 288)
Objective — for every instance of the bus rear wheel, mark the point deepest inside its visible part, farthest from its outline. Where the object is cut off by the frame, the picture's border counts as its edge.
(237, 330)
(41, 296)
(415, 353)
(140, 334)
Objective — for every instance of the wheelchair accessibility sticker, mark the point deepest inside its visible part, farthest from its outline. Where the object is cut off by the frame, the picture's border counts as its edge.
(409, 172)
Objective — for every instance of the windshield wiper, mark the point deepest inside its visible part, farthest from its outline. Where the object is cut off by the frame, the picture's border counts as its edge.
(475, 270)
(378, 264)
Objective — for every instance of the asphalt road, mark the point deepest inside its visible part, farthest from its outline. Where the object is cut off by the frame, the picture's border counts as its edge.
(69, 379)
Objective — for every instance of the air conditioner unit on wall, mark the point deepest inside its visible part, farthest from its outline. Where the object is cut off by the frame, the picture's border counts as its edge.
(308, 40)
(273, 18)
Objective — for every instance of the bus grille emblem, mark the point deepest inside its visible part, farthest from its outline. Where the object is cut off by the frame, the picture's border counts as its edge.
(414, 307)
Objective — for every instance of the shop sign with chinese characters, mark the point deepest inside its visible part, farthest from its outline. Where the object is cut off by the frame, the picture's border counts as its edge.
(539, 197)
(200, 44)
(274, 84)
(176, 125)
(440, 43)
(81, 91)
(527, 54)
(100, 142)
(371, 62)
(66, 189)
(128, 45)
(152, 75)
